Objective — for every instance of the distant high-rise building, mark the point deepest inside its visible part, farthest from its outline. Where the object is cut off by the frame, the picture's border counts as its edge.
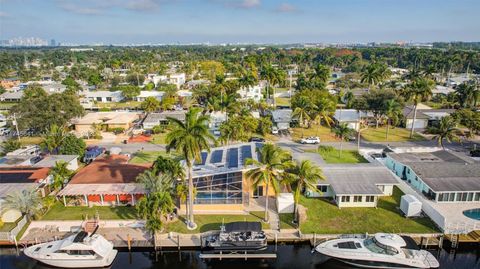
(53, 43)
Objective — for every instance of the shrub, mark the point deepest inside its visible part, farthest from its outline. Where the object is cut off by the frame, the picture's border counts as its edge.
(157, 129)
(117, 130)
(325, 149)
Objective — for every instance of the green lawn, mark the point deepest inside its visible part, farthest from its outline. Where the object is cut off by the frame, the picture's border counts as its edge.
(144, 157)
(286, 221)
(324, 217)
(323, 132)
(119, 105)
(213, 222)
(333, 155)
(60, 212)
(159, 139)
(282, 101)
(6, 105)
(396, 134)
(30, 140)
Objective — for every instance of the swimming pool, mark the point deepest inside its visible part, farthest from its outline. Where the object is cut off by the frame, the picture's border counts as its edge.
(472, 213)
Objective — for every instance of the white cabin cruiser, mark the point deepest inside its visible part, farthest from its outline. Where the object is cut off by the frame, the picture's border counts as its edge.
(379, 251)
(77, 251)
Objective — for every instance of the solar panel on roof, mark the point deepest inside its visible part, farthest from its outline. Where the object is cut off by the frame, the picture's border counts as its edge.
(216, 156)
(246, 152)
(232, 157)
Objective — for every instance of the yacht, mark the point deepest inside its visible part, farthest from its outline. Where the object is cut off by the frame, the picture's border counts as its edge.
(238, 236)
(379, 251)
(77, 251)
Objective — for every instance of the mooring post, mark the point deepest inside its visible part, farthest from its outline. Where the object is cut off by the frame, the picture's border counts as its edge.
(314, 239)
(220, 255)
(426, 243)
(276, 241)
(178, 241)
(440, 241)
(129, 243)
(245, 255)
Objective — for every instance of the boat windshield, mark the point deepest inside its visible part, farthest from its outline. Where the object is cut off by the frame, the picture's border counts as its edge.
(374, 246)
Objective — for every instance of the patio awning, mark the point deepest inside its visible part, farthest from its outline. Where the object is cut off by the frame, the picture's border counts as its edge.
(102, 189)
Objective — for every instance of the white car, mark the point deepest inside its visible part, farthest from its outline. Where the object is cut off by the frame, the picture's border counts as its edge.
(310, 140)
(274, 130)
(4, 131)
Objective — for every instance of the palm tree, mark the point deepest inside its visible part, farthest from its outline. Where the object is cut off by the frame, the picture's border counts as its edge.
(301, 112)
(418, 90)
(305, 175)
(153, 207)
(27, 201)
(349, 98)
(170, 167)
(446, 130)
(52, 139)
(343, 132)
(268, 169)
(322, 74)
(189, 138)
(325, 108)
(60, 173)
(10, 145)
(150, 104)
(393, 110)
(154, 182)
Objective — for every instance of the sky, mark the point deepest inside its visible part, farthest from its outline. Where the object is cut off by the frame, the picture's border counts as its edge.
(243, 21)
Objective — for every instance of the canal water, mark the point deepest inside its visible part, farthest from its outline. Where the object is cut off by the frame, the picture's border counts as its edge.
(288, 257)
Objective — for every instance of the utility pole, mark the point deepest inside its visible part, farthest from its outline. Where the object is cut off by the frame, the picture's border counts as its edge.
(14, 122)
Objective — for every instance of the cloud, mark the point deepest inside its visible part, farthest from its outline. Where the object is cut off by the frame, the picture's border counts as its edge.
(86, 8)
(286, 8)
(143, 5)
(241, 4)
(92, 7)
(249, 4)
(4, 14)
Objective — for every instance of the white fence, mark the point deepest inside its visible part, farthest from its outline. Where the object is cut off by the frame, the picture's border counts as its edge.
(9, 236)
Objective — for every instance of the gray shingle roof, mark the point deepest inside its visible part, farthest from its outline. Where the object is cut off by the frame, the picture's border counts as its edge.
(156, 117)
(282, 115)
(358, 179)
(442, 171)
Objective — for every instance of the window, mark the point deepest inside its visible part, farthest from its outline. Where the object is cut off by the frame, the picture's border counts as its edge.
(345, 199)
(109, 99)
(451, 197)
(477, 196)
(462, 196)
(99, 99)
(357, 199)
(370, 199)
(322, 188)
(470, 196)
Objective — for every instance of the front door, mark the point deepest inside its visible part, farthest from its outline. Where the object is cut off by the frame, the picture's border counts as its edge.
(258, 192)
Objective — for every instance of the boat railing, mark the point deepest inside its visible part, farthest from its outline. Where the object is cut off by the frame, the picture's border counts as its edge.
(353, 236)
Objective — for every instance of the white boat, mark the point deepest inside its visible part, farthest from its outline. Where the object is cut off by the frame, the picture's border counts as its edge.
(379, 251)
(77, 251)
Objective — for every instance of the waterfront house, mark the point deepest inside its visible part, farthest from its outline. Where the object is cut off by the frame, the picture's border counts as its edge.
(441, 176)
(109, 180)
(161, 118)
(355, 185)
(220, 179)
(14, 179)
(38, 161)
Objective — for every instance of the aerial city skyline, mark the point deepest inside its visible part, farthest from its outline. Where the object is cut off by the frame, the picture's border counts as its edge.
(240, 21)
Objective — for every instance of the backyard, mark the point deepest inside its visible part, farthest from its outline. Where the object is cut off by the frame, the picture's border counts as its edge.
(324, 217)
(332, 155)
(213, 222)
(60, 212)
(396, 134)
(323, 132)
(145, 157)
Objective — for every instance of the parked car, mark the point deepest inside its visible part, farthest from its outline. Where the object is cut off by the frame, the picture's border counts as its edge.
(310, 140)
(274, 130)
(4, 131)
(256, 139)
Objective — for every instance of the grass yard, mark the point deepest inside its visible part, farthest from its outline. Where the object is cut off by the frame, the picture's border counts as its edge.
(213, 222)
(324, 132)
(159, 139)
(326, 218)
(119, 105)
(286, 221)
(30, 140)
(282, 101)
(60, 212)
(332, 155)
(6, 105)
(143, 157)
(396, 134)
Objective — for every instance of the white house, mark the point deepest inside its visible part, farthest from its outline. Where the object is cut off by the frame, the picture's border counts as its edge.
(355, 185)
(426, 116)
(351, 117)
(252, 92)
(216, 119)
(145, 94)
(177, 79)
(104, 96)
